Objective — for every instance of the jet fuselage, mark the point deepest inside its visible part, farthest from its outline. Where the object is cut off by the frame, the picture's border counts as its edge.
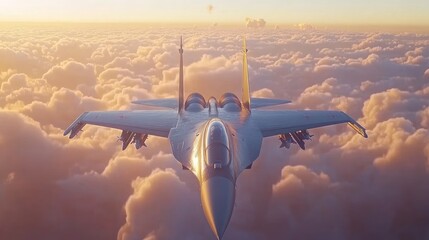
(212, 148)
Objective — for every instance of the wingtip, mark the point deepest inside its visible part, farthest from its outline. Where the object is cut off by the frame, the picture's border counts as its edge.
(358, 128)
(76, 126)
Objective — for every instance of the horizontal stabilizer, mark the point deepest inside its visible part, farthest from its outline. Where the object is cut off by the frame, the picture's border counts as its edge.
(266, 102)
(173, 103)
(165, 103)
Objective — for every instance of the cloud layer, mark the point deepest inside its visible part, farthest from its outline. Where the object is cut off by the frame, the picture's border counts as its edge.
(341, 187)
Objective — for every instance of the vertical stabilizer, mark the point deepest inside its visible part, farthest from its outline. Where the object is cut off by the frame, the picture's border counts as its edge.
(181, 76)
(245, 84)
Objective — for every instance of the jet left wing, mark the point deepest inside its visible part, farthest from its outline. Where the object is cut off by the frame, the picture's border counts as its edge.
(152, 122)
(287, 121)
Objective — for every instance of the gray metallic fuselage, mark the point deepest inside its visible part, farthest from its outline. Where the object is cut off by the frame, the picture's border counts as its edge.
(216, 146)
(217, 174)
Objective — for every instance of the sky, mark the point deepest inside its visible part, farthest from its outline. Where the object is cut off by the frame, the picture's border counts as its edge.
(378, 12)
(343, 186)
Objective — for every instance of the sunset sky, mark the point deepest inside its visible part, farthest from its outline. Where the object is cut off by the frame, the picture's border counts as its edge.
(342, 186)
(393, 12)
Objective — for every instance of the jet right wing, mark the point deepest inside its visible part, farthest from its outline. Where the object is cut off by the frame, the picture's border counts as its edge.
(273, 123)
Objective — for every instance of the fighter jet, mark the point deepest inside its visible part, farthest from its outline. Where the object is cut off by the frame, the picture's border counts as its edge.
(215, 139)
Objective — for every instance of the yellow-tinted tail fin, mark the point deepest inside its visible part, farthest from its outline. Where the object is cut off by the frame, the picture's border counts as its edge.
(245, 84)
(181, 100)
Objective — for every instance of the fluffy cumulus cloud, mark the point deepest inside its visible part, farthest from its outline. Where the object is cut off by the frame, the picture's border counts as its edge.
(341, 187)
(304, 26)
(255, 22)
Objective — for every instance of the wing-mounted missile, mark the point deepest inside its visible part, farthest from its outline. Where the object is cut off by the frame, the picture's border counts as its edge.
(75, 127)
(296, 138)
(126, 138)
(300, 136)
(139, 140)
(286, 140)
(304, 134)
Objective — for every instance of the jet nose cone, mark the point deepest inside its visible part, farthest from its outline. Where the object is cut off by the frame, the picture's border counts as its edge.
(217, 197)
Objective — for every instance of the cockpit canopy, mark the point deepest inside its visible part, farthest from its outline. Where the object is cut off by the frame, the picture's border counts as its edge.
(217, 145)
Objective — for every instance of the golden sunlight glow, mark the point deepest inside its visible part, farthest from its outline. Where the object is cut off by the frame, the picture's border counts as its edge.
(337, 12)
